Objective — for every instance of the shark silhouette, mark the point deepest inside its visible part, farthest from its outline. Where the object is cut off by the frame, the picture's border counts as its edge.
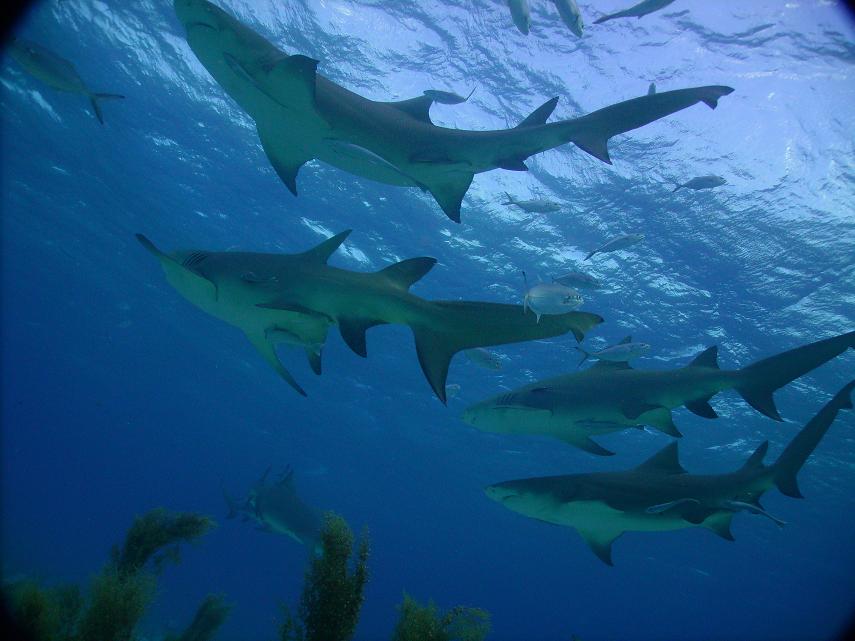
(659, 495)
(301, 115)
(275, 507)
(295, 298)
(612, 396)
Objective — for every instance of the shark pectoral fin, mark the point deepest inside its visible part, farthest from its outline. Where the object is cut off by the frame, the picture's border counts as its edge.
(353, 332)
(314, 359)
(265, 348)
(664, 507)
(632, 408)
(600, 543)
(407, 272)
(702, 408)
(719, 522)
(285, 160)
(540, 115)
(449, 192)
(586, 443)
(177, 274)
(662, 419)
(418, 108)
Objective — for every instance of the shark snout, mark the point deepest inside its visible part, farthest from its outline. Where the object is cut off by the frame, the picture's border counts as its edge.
(499, 493)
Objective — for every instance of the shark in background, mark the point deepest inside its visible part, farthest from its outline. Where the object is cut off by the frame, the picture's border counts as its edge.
(276, 508)
(56, 72)
(612, 396)
(659, 495)
(296, 298)
(301, 115)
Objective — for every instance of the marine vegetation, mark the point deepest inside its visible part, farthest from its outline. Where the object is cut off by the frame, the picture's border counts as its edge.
(209, 617)
(426, 623)
(118, 596)
(333, 587)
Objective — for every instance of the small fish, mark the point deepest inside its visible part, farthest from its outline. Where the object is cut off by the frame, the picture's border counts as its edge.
(577, 279)
(55, 72)
(624, 351)
(534, 206)
(651, 90)
(615, 244)
(570, 15)
(452, 390)
(550, 298)
(742, 506)
(702, 182)
(484, 357)
(447, 97)
(521, 15)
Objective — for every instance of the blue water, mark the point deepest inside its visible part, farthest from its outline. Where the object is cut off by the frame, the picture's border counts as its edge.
(119, 396)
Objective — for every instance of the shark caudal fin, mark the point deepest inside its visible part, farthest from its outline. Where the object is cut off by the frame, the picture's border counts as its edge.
(757, 382)
(95, 97)
(592, 132)
(800, 448)
(459, 325)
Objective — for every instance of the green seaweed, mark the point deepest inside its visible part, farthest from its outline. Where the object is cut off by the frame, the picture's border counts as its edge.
(333, 588)
(118, 595)
(209, 617)
(424, 623)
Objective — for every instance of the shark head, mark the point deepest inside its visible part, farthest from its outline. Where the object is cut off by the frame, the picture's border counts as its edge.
(529, 497)
(519, 411)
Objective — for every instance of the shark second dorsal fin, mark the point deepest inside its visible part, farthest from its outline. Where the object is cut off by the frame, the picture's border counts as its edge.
(707, 358)
(756, 459)
(625, 340)
(540, 115)
(665, 461)
(418, 108)
(322, 252)
(407, 272)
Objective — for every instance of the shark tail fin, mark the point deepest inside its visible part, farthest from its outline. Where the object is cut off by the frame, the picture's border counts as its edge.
(802, 446)
(759, 380)
(459, 325)
(592, 132)
(95, 97)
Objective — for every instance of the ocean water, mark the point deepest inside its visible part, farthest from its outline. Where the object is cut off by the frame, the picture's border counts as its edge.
(119, 396)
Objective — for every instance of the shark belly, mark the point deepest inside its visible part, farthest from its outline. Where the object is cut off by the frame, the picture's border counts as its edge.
(599, 518)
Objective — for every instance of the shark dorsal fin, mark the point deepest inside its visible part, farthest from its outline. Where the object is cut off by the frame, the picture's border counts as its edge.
(418, 108)
(407, 272)
(539, 115)
(322, 252)
(665, 461)
(756, 459)
(707, 358)
(625, 340)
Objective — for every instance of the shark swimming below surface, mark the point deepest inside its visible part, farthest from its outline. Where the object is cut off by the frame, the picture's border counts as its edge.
(296, 298)
(300, 115)
(636, 11)
(612, 396)
(56, 72)
(659, 495)
(275, 507)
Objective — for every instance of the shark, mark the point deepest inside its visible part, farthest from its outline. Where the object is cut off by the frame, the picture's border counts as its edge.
(660, 495)
(56, 72)
(613, 396)
(300, 115)
(296, 298)
(636, 11)
(275, 507)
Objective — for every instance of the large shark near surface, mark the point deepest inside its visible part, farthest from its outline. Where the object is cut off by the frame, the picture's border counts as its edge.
(612, 396)
(659, 495)
(300, 115)
(276, 508)
(295, 298)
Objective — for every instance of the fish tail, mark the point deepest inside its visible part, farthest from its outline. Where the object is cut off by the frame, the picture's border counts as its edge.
(592, 132)
(457, 325)
(95, 97)
(802, 446)
(758, 381)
